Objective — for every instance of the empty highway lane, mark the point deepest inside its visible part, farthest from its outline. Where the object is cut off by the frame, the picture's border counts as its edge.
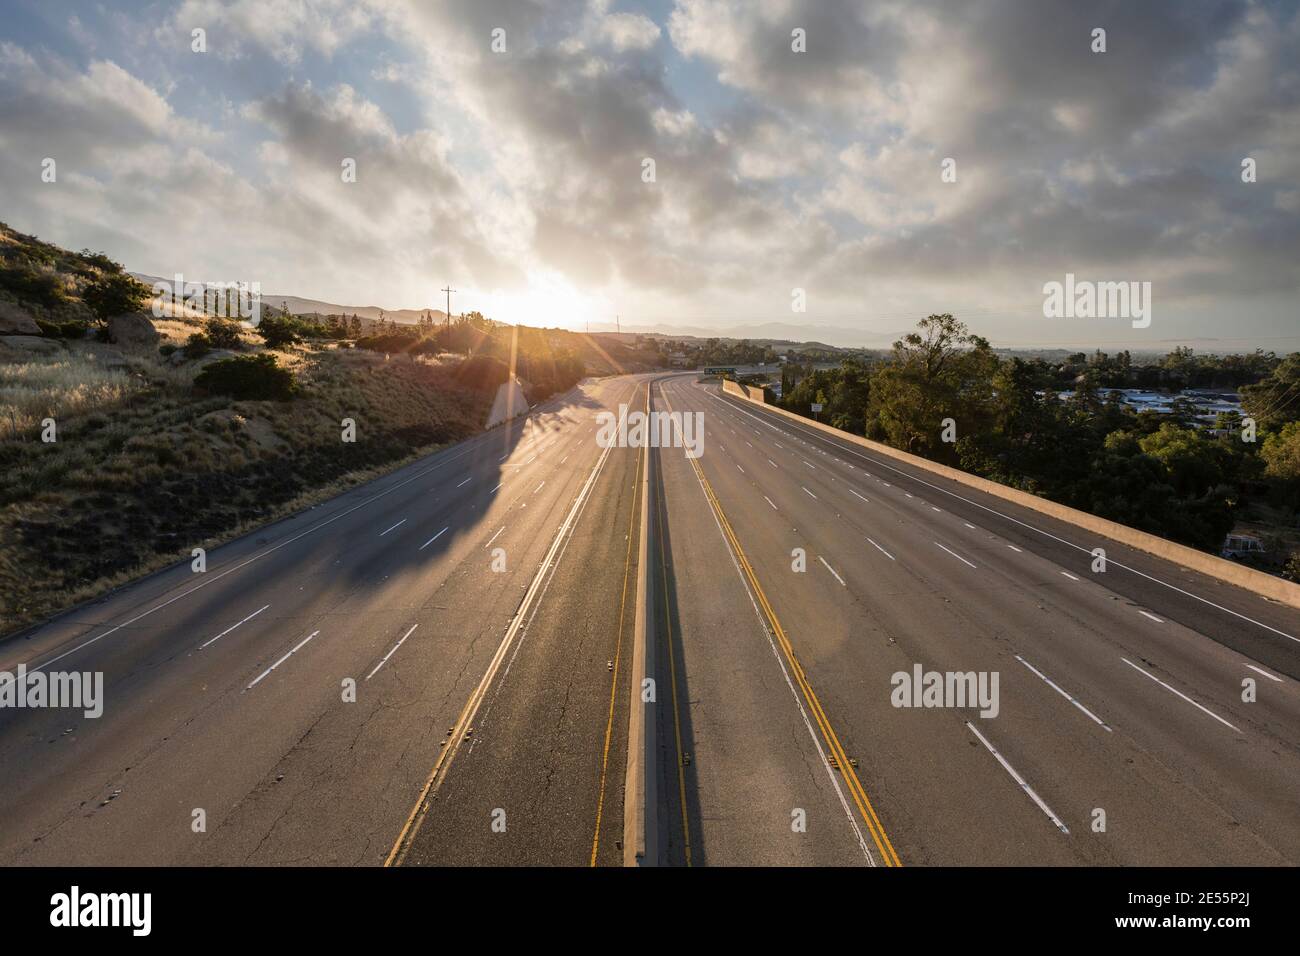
(1119, 733)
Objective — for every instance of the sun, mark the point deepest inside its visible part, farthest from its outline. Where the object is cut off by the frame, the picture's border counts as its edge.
(550, 301)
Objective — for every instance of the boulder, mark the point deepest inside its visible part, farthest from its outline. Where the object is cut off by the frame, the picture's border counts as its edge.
(34, 344)
(15, 320)
(216, 355)
(133, 330)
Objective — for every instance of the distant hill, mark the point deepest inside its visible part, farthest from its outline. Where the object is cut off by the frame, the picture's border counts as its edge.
(300, 306)
(779, 335)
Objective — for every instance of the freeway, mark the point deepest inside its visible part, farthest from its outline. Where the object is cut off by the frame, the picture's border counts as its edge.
(437, 668)
(288, 705)
(1121, 735)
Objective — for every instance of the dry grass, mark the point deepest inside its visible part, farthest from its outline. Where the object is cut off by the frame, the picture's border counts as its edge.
(145, 469)
(59, 386)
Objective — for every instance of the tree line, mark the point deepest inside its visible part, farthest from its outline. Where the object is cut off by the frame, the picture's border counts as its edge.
(944, 394)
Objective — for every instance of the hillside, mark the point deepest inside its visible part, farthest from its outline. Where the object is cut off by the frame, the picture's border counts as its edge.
(150, 458)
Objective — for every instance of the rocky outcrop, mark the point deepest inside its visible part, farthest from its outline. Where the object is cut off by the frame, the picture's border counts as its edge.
(11, 345)
(133, 330)
(15, 320)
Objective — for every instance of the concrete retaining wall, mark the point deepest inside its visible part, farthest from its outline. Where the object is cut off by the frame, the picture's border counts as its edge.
(510, 402)
(1258, 582)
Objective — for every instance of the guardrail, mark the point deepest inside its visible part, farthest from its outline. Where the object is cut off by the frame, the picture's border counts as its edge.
(1266, 585)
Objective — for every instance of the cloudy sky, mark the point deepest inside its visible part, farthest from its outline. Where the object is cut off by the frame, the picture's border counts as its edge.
(519, 174)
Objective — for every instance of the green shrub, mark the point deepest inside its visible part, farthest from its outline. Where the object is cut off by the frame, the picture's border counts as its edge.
(99, 260)
(248, 377)
(197, 346)
(113, 293)
(482, 372)
(223, 334)
(31, 285)
(278, 331)
(72, 329)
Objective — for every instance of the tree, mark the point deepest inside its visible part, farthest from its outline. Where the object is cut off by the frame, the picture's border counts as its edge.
(1193, 465)
(113, 293)
(1281, 454)
(1275, 400)
(942, 371)
(278, 331)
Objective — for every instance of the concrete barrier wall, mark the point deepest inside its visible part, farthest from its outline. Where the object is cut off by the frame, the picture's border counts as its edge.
(1256, 581)
(509, 403)
(641, 779)
(751, 392)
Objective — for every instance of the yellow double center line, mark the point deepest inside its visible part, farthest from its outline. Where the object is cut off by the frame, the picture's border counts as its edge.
(868, 812)
(618, 656)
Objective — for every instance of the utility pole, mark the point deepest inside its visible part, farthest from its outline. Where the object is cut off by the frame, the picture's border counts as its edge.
(449, 290)
(618, 324)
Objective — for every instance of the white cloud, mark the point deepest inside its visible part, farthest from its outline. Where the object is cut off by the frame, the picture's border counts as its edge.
(629, 31)
(522, 170)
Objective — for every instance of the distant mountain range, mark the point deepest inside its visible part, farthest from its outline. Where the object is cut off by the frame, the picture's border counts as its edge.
(300, 306)
(778, 333)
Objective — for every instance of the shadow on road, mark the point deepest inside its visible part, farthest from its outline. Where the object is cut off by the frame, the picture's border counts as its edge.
(679, 823)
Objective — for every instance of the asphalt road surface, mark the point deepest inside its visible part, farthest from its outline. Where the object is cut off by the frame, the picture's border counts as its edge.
(1121, 735)
(225, 697)
(435, 669)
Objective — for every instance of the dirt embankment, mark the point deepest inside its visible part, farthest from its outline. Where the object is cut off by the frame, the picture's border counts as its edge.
(145, 467)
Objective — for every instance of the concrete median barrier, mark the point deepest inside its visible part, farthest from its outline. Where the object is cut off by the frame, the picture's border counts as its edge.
(640, 794)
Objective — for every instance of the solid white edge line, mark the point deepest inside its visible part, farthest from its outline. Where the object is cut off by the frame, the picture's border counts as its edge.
(261, 554)
(1047, 534)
